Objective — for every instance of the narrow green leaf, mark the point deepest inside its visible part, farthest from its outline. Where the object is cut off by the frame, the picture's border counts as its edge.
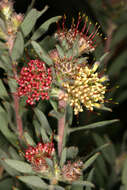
(124, 173)
(93, 125)
(72, 152)
(43, 120)
(18, 47)
(60, 51)
(11, 137)
(5, 62)
(12, 84)
(40, 131)
(41, 53)
(69, 114)
(34, 181)
(30, 20)
(9, 170)
(55, 114)
(19, 166)
(50, 164)
(44, 27)
(44, 135)
(29, 139)
(99, 149)
(90, 176)
(2, 25)
(103, 57)
(83, 183)
(3, 92)
(63, 157)
(90, 161)
(57, 187)
(6, 183)
(54, 104)
(101, 166)
(13, 153)
(106, 152)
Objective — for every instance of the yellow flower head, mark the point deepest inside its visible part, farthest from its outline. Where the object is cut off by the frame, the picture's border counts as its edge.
(87, 89)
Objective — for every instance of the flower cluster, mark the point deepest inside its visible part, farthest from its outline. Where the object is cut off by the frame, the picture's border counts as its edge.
(37, 155)
(65, 67)
(87, 89)
(85, 41)
(81, 83)
(12, 23)
(72, 171)
(35, 81)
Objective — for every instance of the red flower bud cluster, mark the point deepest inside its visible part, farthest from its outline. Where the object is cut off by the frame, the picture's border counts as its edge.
(35, 81)
(37, 155)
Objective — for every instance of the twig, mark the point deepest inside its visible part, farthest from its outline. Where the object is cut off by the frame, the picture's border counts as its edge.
(61, 126)
(16, 107)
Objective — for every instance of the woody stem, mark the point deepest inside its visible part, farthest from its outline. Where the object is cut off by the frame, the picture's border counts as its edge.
(61, 127)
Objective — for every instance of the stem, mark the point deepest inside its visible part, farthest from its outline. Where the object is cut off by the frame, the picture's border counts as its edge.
(31, 5)
(16, 107)
(61, 126)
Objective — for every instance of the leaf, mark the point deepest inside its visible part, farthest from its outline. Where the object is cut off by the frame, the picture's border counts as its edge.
(3, 92)
(93, 125)
(41, 53)
(19, 166)
(103, 57)
(118, 64)
(72, 152)
(30, 20)
(5, 62)
(57, 187)
(55, 114)
(44, 27)
(107, 151)
(124, 173)
(13, 153)
(60, 51)
(43, 120)
(29, 139)
(89, 178)
(90, 161)
(54, 104)
(18, 47)
(11, 137)
(2, 25)
(63, 157)
(50, 164)
(9, 170)
(48, 43)
(100, 165)
(34, 181)
(83, 183)
(12, 84)
(69, 114)
(6, 184)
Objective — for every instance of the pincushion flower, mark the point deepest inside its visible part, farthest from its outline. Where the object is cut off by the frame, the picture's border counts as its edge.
(86, 89)
(37, 156)
(65, 67)
(35, 81)
(72, 171)
(86, 41)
